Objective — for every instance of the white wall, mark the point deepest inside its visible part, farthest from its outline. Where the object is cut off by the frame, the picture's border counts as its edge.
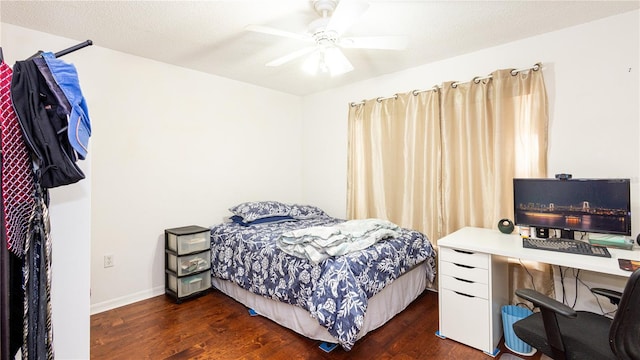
(175, 147)
(592, 75)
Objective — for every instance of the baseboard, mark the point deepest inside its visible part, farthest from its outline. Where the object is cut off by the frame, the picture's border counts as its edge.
(126, 300)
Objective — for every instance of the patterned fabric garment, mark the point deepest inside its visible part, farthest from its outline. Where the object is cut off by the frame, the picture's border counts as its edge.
(38, 330)
(17, 177)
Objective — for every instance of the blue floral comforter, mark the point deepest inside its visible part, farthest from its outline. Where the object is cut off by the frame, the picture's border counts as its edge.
(335, 291)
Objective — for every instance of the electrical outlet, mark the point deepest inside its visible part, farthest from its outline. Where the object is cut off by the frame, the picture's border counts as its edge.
(108, 260)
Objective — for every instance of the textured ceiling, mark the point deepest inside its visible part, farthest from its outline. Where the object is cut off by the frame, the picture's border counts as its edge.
(209, 36)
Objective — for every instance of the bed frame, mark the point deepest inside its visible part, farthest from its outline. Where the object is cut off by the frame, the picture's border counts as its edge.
(383, 306)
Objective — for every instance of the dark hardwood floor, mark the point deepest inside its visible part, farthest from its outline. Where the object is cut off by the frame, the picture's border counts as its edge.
(215, 326)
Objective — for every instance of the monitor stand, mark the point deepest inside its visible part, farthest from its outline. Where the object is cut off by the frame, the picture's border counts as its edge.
(567, 234)
(542, 233)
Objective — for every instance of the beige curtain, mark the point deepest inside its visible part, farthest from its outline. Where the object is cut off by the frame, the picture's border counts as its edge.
(437, 161)
(492, 131)
(394, 161)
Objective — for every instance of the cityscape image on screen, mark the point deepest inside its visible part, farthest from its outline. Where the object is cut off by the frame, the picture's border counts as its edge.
(587, 205)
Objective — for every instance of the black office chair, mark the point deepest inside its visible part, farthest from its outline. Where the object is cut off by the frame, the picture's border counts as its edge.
(581, 334)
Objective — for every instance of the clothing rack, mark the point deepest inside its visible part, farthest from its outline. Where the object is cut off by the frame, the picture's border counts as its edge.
(5, 353)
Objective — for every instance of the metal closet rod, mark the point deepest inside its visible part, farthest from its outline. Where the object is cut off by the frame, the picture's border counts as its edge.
(61, 52)
(74, 48)
(65, 51)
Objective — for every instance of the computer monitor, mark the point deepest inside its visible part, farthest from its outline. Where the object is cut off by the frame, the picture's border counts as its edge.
(585, 205)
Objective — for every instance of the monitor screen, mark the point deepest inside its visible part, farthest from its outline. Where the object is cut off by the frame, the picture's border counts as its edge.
(586, 205)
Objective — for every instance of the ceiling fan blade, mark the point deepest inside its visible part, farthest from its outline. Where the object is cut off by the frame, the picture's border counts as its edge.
(291, 56)
(375, 42)
(345, 14)
(277, 32)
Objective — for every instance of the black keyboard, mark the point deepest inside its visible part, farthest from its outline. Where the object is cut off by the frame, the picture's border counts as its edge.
(566, 246)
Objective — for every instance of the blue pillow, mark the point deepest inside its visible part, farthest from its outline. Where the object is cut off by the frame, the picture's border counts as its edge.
(254, 210)
(237, 219)
(273, 219)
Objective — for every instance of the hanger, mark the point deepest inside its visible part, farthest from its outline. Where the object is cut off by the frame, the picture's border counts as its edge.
(1, 56)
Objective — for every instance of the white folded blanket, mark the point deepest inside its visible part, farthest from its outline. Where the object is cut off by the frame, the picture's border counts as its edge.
(317, 243)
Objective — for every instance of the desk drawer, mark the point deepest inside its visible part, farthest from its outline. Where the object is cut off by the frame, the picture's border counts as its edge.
(465, 319)
(464, 286)
(465, 272)
(463, 257)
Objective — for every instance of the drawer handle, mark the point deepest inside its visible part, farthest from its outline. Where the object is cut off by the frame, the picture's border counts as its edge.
(463, 294)
(463, 280)
(464, 266)
(462, 251)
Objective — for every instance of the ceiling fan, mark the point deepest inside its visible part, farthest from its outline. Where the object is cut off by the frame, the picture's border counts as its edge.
(325, 36)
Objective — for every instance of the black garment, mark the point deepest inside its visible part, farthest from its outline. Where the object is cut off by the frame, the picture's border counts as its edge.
(16, 304)
(37, 331)
(44, 125)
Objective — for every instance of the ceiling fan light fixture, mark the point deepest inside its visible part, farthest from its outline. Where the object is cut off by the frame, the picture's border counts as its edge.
(327, 60)
(336, 62)
(313, 63)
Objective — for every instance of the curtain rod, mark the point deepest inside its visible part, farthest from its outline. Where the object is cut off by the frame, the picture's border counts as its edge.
(476, 80)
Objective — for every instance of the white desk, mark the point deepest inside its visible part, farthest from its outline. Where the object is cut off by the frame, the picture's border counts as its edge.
(473, 280)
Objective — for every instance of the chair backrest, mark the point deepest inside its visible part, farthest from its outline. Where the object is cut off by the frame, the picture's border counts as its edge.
(624, 336)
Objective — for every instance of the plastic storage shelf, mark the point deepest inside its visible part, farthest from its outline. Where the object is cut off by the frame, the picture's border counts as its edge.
(187, 262)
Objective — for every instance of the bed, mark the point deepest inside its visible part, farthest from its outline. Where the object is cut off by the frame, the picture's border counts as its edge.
(335, 297)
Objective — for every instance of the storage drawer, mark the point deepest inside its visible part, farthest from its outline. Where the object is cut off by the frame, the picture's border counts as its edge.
(184, 244)
(464, 257)
(464, 286)
(473, 312)
(188, 264)
(465, 272)
(189, 285)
